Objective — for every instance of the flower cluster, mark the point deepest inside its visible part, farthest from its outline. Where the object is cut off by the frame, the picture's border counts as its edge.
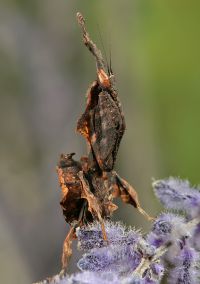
(171, 248)
(178, 195)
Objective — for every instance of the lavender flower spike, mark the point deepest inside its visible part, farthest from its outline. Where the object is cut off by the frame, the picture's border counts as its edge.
(177, 194)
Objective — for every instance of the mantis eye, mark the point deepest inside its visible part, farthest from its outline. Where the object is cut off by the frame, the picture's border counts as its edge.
(103, 78)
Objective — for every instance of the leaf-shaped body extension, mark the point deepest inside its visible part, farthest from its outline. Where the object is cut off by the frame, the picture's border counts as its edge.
(70, 184)
(102, 124)
(85, 196)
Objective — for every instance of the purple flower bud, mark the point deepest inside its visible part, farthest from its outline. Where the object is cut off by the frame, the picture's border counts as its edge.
(138, 280)
(185, 271)
(196, 238)
(157, 270)
(173, 232)
(149, 281)
(167, 228)
(88, 277)
(90, 236)
(179, 195)
(121, 259)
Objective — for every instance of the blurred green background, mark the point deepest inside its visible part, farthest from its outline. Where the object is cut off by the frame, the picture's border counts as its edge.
(45, 72)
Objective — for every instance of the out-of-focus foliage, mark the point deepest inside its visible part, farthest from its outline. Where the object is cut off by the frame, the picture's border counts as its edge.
(45, 71)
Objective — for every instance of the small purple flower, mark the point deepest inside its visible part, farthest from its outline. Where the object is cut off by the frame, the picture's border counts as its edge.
(107, 256)
(138, 280)
(88, 277)
(167, 228)
(196, 237)
(90, 236)
(119, 259)
(179, 195)
(157, 270)
(185, 269)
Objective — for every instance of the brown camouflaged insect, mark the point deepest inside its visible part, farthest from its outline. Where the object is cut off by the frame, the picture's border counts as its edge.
(89, 186)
